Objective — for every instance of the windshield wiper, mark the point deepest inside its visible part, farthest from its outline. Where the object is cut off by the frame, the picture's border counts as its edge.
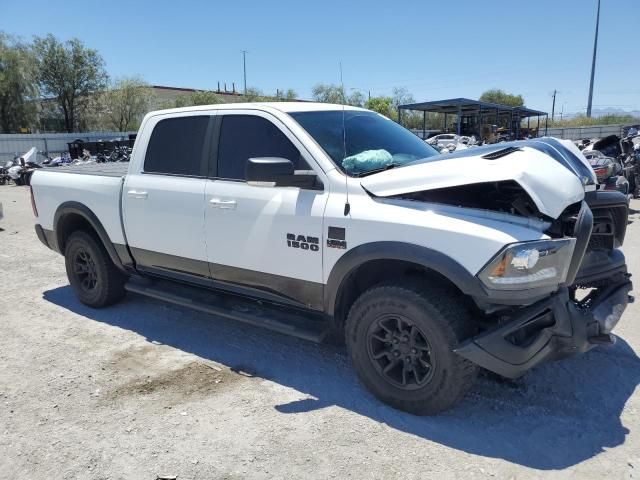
(378, 170)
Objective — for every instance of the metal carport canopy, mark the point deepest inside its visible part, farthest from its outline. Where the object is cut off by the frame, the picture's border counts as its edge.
(466, 106)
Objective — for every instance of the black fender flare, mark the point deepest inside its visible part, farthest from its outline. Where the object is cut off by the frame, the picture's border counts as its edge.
(423, 256)
(77, 208)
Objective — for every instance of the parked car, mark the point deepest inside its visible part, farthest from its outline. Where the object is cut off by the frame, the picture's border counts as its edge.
(443, 139)
(322, 220)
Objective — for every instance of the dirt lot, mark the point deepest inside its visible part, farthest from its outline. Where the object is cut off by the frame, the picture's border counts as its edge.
(143, 389)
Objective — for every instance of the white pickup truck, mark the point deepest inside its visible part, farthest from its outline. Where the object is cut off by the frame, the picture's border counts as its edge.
(324, 219)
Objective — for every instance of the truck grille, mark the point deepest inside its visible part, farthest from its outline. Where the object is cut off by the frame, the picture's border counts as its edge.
(596, 253)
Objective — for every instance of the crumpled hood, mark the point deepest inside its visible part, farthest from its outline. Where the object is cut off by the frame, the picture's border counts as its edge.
(550, 184)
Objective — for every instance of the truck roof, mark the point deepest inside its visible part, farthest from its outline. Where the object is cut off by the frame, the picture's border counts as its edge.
(286, 107)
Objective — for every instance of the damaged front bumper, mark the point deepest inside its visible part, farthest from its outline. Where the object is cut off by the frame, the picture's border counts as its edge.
(550, 329)
(559, 324)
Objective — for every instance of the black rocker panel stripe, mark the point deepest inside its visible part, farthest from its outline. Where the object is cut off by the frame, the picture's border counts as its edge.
(267, 286)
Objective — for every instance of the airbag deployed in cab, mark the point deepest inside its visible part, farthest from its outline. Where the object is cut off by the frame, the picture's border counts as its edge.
(367, 160)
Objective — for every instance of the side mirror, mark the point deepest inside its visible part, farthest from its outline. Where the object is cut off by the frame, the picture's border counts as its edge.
(279, 172)
(268, 170)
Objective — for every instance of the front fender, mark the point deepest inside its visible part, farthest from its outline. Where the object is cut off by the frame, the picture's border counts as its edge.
(423, 256)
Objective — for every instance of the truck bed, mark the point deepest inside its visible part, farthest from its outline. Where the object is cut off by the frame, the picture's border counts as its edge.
(95, 186)
(108, 169)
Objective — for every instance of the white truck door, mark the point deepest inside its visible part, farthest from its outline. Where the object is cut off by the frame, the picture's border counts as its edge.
(163, 202)
(265, 237)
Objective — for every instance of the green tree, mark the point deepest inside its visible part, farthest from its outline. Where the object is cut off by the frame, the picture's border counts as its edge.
(126, 103)
(286, 95)
(254, 94)
(329, 93)
(179, 102)
(357, 99)
(410, 118)
(290, 94)
(401, 96)
(205, 97)
(501, 97)
(199, 97)
(382, 105)
(17, 86)
(71, 73)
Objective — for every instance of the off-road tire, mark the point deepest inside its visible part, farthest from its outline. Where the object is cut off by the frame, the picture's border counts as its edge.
(106, 280)
(444, 320)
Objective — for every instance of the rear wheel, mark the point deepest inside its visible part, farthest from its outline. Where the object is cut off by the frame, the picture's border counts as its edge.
(401, 340)
(94, 278)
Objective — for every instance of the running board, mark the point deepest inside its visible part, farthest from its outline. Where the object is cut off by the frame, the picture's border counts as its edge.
(306, 325)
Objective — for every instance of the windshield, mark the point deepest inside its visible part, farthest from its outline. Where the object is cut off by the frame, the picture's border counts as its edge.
(373, 142)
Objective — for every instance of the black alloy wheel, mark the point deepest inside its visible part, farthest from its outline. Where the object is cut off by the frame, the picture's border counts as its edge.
(400, 352)
(95, 279)
(402, 339)
(84, 268)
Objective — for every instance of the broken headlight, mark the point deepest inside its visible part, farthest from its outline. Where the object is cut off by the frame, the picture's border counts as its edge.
(519, 266)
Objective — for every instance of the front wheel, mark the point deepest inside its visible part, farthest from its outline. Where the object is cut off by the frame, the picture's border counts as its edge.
(402, 339)
(94, 278)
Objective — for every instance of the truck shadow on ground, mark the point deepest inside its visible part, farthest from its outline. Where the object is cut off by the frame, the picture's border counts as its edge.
(557, 416)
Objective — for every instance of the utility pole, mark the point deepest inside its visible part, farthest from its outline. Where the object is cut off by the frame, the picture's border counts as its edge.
(244, 69)
(593, 63)
(553, 105)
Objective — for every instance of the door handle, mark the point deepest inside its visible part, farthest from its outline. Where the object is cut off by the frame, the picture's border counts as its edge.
(137, 194)
(223, 204)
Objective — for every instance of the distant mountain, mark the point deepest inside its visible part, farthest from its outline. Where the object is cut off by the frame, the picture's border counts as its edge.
(601, 112)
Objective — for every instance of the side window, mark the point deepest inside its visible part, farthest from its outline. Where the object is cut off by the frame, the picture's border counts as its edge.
(176, 146)
(247, 136)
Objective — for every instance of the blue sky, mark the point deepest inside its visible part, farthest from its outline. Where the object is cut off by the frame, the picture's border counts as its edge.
(435, 49)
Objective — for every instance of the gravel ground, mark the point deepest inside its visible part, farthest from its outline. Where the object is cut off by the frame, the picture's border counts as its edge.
(143, 389)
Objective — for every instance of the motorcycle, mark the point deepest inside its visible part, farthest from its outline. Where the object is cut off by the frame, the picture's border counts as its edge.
(21, 173)
(4, 173)
(22, 167)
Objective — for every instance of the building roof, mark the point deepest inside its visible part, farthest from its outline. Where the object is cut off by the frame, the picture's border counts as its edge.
(469, 107)
(191, 90)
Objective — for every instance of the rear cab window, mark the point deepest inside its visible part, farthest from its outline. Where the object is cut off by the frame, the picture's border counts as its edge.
(177, 146)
